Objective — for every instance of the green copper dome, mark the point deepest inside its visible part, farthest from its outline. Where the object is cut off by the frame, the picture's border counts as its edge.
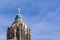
(18, 16)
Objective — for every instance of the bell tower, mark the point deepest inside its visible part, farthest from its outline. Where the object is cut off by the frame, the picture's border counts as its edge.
(18, 29)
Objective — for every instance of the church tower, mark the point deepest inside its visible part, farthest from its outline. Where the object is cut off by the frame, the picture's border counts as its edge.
(18, 29)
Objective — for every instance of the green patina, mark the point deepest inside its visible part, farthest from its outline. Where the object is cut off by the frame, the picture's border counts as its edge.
(18, 16)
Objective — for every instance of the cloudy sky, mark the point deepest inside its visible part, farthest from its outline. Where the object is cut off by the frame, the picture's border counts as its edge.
(41, 16)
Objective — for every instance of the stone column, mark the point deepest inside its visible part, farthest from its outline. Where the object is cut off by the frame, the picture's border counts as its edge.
(15, 34)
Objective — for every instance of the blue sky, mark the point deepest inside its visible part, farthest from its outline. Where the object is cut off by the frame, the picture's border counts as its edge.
(41, 16)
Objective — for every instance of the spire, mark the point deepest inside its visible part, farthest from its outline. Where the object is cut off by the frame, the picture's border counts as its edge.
(18, 16)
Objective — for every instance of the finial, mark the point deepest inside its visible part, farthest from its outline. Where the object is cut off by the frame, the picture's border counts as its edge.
(18, 16)
(18, 10)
